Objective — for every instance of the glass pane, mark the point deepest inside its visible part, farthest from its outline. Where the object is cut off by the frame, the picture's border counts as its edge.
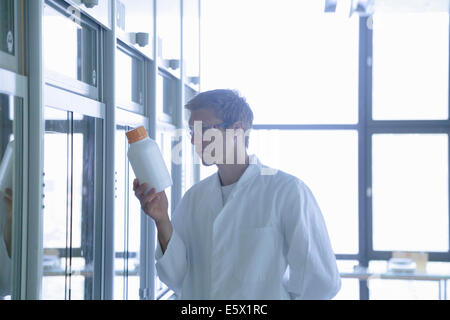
(169, 29)
(129, 84)
(350, 287)
(188, 163)
(134, 239)
(410, 192)
(83, 207)
(165, 145)
(166, 88)
(56, 264)
(309, 77)
(10, 175)
(327, 161)
(70, 45)
(7, 41)
(120, 213)
(191, 37)
(382, 289)
(138, 18)
(410, 66)
(101, 11)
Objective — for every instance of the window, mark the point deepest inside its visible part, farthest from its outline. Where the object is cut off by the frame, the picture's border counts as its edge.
(127, 224)
(166, 104)
(130, 81)
(70, 44)
(191, 40)
(169, 34)
(304, 77)
(135, 16)
(410, 66)
(71, 200)
(327, 161)
(410, 192)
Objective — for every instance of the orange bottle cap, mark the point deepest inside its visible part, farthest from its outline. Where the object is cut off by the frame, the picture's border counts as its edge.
(136, 135)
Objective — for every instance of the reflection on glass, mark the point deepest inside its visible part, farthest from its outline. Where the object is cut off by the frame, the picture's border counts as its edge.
(139, 18)
(70, 46)
(169, 34)
(56, 260)
(166, 88)
(120, 215)
(315, 77)
(327, 161)
(83, 207)
(410, 192)
(69, 205)
(7, 210)
(191, 37)
(410, 66)
(7, 41)
(101, 11)
(129, 84)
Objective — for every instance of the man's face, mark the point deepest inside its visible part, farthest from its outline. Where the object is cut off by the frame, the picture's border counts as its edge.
(208, 120)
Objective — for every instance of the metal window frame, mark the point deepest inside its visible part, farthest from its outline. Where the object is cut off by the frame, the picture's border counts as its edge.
(68, 83)
(17, 86)
(131, 120)
(72, 103)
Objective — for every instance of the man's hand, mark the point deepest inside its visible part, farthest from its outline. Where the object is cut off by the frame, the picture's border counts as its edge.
(154, 204)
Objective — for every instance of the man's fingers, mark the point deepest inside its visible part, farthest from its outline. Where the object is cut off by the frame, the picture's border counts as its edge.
(141, 189)
(135, 184)
(149, 196)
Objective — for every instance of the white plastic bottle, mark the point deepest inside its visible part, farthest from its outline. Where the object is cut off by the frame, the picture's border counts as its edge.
(147, 161)
(6, 169)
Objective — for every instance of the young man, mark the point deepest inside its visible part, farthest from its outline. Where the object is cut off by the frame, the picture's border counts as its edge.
(245, 232)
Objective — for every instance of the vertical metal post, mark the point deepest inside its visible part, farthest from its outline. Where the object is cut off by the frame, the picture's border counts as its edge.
(364, 100)
(109, 153)
(34, 70)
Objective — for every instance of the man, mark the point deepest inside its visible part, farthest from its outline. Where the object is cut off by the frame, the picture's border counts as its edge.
(241, 233)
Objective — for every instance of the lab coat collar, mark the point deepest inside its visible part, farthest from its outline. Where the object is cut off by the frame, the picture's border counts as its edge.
(253, 169)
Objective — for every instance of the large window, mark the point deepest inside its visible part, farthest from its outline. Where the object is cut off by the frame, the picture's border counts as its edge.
(358, 108)
(71, 46)
(127, 223)
(71, 199)
(410, 66)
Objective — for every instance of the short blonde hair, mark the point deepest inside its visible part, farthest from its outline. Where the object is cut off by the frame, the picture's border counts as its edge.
(228, 105)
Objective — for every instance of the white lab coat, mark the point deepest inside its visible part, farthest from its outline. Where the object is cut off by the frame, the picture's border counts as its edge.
(269, 224)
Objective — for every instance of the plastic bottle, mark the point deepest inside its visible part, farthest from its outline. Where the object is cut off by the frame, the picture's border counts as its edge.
(6, 169)
(147, 161)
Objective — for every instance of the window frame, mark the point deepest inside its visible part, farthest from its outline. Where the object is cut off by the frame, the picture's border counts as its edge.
(71, 103)
(65, 82)
(131, 105)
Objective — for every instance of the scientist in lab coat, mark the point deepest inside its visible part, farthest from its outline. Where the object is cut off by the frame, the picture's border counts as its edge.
(246, 232)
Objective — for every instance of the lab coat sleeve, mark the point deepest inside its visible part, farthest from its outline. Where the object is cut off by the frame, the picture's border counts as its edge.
(313, 273)
(172, 265)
